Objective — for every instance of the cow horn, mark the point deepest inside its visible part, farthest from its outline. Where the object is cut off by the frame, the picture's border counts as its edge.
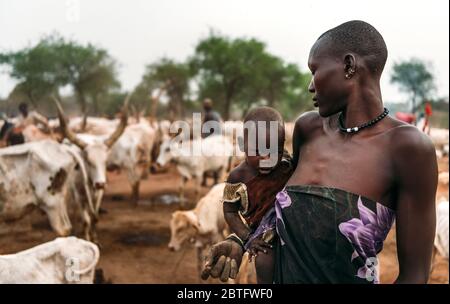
(121, 127)
(64, 128)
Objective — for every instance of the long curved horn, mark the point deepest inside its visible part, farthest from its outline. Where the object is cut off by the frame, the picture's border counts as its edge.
(121, 127)
(64, 129)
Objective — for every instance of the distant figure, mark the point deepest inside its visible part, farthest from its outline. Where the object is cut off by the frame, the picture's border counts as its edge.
(209, 115)
(428, 112)
(8, 135)
(27, 118)
(409, 118)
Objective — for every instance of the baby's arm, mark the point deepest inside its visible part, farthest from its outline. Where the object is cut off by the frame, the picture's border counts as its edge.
(231, 210)
(233, 219)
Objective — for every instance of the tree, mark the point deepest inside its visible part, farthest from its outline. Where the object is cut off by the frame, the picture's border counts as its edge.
(414, 78)
(54, 63)
(241, 73)
(35, 69)
(88, 69)
(170, 76)
(226, 67)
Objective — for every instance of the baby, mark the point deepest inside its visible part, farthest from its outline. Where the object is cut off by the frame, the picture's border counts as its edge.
(250, 190)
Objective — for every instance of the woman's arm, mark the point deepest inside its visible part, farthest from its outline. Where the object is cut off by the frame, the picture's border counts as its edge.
(416, 173)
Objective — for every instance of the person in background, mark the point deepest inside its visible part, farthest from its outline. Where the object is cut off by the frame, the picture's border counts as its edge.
(209, 115)
(428, 111)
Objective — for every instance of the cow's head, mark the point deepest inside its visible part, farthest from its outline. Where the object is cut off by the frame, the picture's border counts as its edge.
(184, 226)
(165, 153)
(95, 153)
(56, 209)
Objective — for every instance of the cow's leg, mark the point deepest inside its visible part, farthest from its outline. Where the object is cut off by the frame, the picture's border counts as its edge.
(181, 190)
(221, 174)
(146, 169)
(204, 179)
(197, 189)
(216, 176)
(199, 262)
(93, 234)
(87, 224)
(135, 193)
(134, 178)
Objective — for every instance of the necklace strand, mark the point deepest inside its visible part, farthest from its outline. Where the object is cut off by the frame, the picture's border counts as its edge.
(364, 125)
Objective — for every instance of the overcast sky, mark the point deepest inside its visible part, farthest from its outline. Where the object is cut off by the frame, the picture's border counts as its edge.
(137, 32)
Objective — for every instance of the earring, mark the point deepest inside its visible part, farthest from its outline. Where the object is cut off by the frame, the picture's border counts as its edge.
(350, 73)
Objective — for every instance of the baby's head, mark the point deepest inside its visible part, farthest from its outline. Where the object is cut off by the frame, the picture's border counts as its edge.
(263, 141)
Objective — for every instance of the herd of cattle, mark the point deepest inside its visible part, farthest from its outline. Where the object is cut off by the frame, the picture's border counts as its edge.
(68, 166)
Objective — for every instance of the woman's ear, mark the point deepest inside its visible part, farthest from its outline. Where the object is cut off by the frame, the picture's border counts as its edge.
(350, 65)
(241, 143)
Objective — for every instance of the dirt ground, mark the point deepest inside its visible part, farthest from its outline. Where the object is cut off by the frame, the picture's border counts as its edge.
(134, 238)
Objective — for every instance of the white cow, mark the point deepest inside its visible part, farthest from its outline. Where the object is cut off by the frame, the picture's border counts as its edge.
(233, 130)
(443, 178)
(441, 239)
(203, 225)
(94, 151)
(37, 174)
(132, 152)
(197, 157)
(62, 261)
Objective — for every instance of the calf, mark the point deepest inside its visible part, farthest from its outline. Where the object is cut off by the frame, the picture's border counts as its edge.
(203, 225)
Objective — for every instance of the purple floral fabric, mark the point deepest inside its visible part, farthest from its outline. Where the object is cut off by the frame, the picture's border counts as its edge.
(268, 222)
(367, 234)
(282, 201)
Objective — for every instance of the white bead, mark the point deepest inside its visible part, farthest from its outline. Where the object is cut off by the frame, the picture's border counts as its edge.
(355, 129)
(349, 130)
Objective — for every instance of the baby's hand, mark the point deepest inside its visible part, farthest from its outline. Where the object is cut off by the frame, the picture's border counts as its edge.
(258, 245)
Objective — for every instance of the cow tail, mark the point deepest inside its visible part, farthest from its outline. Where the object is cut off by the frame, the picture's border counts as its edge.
(90, 267)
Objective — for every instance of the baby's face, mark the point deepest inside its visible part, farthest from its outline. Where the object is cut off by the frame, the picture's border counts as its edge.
(262, 160)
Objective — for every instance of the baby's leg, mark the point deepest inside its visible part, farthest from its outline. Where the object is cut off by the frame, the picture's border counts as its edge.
(264, 264)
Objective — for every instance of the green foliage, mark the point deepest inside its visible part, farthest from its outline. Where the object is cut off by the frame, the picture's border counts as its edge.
(236, 73)
(414, 78)
(240, 73)
(170, 76)
(54, 63)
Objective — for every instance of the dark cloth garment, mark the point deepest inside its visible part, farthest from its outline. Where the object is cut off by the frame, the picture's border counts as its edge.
(211, 116)
(262, 190)
(11, 135)
(328, 235)
(266, 229)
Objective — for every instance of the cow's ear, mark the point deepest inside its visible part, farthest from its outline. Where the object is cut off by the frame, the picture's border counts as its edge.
(197, 226)
(193, 220)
